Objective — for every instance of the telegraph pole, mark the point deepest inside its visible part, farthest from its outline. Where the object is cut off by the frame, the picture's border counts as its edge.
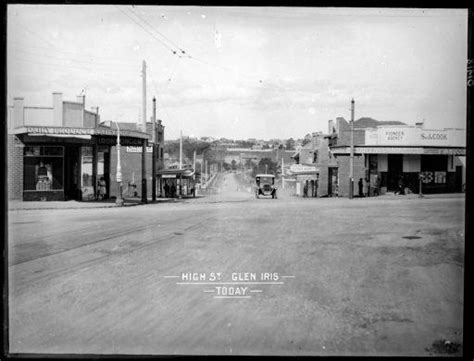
(282, 173)
(144, 96)
(181, 150)
(153, 157)
(144, 144)
(351, 170)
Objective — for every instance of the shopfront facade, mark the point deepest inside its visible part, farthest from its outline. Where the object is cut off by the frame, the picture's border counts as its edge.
(395, 156)
(62, 152)
(173, 183)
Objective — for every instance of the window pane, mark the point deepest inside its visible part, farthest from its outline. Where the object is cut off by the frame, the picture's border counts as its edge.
(86, 168)
(57, 171)
(32, 151)
(29, 177)
(52, 150)
(43, 174)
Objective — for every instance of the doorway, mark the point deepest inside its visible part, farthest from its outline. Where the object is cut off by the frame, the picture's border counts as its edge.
(395, 171)
(72, 169)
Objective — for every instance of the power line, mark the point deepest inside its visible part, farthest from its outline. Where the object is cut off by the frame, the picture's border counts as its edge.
(148, 31)
(157, 31)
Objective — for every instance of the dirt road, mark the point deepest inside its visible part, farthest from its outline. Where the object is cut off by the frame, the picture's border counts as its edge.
(371, 276)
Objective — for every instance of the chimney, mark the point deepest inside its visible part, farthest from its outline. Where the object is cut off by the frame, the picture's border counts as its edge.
(420, 124)
(81, 99)
(331, 127)
(18, 112)
(58, 109)
(341, 124)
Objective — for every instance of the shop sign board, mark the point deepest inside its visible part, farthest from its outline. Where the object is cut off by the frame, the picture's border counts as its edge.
(414, 136)
(400, 150)
(82, 131)
(125, 141)
(299, 168)
(139, 149)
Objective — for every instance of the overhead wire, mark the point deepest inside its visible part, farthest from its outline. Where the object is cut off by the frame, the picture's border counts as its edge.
(157, 31)
(146, 30)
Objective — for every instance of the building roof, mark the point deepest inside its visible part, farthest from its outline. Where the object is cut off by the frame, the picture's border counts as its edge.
(184, 173)
(366, 122)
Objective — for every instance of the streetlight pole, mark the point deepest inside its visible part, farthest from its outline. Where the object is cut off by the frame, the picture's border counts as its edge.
(351, 170)
(118, 177)
(153, 157)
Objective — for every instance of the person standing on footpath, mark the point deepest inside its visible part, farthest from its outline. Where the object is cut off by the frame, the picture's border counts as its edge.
(365, 187)
(361, 194)
(376, 185)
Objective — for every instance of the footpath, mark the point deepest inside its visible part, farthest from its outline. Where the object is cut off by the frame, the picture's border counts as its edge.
(130, 202)
(14, 205)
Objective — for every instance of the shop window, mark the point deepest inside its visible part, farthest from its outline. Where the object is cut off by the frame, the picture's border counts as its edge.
(440, 177)
(87, 186)
(373, 163)
(43, 168)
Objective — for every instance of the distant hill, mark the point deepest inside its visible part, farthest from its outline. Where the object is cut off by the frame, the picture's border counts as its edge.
(366, 122)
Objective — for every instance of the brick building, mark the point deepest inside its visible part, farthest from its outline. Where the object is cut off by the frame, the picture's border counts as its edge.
(390, 154)
(61, 152)
(131, 162)
(317, 168)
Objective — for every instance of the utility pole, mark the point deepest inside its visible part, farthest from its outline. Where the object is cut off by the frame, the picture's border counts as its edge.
(153, 157)
(144, 96)
(118, 176)
(282, 173)
(181, 150)
(351, 170)
(144, 144)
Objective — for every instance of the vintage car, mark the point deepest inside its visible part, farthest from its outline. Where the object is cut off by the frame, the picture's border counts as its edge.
(265, 185)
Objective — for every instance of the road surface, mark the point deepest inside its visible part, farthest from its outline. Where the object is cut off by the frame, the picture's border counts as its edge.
(377, 276)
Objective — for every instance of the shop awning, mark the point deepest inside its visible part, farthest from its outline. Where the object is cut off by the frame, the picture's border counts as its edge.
(87, 137)
(459, 151)
(175, 173)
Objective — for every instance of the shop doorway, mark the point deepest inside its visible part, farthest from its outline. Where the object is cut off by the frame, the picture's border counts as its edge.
(395, 171)
(458, 179)
(72, 169)
(332, 181)
(103, 172)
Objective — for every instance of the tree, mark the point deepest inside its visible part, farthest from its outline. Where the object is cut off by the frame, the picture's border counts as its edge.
(265, 165)
(290, 144)
(307, 139)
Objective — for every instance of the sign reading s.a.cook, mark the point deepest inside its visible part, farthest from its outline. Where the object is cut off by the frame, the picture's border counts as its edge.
(434, 136)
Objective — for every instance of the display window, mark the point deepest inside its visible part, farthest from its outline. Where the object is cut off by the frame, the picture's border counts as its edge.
(87, 186)
(43, 168)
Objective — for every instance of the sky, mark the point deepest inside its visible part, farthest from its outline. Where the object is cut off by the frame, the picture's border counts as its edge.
(237, 72)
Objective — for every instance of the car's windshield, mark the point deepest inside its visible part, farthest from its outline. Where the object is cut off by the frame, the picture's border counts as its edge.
(265, 180)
